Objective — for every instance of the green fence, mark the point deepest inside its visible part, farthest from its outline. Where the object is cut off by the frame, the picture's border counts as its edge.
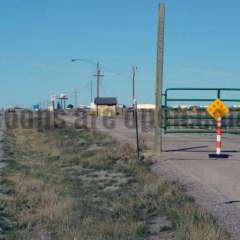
(196, 119)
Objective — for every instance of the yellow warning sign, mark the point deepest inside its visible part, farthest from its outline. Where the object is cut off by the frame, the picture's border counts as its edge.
(217, 109)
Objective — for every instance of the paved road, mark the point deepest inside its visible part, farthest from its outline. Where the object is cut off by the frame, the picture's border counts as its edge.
(215, 184)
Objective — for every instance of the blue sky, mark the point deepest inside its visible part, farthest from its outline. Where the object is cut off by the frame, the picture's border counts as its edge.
(38, 39)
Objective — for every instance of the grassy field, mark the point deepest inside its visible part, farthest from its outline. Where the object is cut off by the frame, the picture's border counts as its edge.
(70, 184)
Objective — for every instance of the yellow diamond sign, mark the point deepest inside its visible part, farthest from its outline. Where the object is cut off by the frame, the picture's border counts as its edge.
(217, 109)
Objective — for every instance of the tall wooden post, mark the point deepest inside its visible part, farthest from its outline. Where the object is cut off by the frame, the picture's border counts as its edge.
(52, 116)
(159, 80)
(134, 68)
(98, 75)
(133, 83)
(135, 110)
(98, 80)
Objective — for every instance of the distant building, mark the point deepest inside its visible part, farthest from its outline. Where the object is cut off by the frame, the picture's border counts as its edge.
(146, 106)
(92, 106)
(106, 106)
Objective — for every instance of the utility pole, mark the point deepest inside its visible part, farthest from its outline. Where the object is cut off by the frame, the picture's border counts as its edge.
(52, 118)
(134, 68)
(91, 86)
(135, 111)
(159, 80)
(75, 92)
(98, 75)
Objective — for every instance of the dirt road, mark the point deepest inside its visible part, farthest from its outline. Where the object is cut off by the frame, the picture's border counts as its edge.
(215, 184)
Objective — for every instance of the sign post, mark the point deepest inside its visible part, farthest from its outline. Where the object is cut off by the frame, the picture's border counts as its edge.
(217, 109)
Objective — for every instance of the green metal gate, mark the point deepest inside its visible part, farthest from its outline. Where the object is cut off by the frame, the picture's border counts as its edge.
(196, 119)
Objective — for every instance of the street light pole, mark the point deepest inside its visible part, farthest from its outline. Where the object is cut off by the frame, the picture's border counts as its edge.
(98, 74)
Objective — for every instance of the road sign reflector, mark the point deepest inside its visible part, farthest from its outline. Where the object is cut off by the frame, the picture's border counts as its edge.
(217, 109)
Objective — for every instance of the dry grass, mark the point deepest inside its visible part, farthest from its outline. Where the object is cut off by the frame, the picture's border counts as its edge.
(75, 184)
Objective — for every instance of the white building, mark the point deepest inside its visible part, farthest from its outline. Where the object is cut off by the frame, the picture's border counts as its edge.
(146, 106)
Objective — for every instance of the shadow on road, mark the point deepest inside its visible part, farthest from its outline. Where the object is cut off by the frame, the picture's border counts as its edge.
(192, 149)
